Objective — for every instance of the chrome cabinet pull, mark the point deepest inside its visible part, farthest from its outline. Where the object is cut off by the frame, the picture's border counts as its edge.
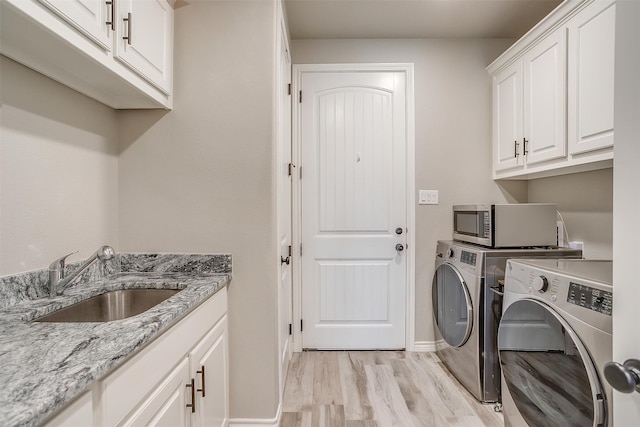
(284, 260)
(111, 5)
(399, 247)
(192, 386)
(201, 372)
(524, 146)
(515, 148)
(128, 21)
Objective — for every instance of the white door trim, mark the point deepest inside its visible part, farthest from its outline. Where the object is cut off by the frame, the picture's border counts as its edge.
(298, 71)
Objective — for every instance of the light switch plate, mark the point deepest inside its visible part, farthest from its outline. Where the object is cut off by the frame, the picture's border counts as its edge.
(428, 197)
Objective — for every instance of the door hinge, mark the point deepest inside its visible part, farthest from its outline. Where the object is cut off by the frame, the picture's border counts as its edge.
(290, 251)
(289, 89)
(291, 167)
(301, 325)
(290, 329)
(300, 97)
(300, 249)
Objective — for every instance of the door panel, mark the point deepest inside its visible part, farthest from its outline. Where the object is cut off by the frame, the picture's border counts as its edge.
(285, 210)
(544, 83)
(88, 16)
(353, 198)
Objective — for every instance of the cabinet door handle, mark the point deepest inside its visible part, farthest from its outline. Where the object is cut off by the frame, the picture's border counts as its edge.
(111, 5)
(524, 146)
(128, 21)
(192, 386)
(201, 372)
(515, 148)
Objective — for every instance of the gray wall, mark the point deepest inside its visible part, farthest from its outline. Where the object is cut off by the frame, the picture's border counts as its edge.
(453, 133)
(585, 201)
(58, 171)
(200, 178)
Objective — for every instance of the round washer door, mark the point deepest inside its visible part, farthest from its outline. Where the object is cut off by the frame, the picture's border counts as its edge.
(452, 308)
(547, 369)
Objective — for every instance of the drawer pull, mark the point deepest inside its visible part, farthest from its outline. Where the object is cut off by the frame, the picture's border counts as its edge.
(112, 7)
(201, 372)
(128, 21)
(192, 386)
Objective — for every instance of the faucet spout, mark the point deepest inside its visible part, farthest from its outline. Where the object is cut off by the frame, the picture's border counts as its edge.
(57, 280)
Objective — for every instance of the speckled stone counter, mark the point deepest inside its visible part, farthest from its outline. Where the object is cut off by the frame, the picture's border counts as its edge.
(43, 366)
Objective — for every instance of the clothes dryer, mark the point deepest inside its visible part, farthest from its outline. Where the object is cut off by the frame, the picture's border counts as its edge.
(554, 340)
(467, 312)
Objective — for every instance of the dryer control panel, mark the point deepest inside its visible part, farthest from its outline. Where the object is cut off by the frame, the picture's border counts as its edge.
(468, 257)
(592, 298)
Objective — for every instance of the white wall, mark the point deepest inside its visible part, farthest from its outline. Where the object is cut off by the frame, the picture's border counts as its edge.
(585, 201)
(58, 171)
(453, 133)
(200, 178)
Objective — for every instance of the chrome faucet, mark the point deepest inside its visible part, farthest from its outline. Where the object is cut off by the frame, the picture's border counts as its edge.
(58, 282)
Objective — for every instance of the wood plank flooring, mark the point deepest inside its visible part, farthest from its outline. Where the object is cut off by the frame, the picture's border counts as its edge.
(378, 389)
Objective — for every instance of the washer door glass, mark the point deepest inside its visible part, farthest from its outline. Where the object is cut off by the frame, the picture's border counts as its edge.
(452, 307)
(547, 369)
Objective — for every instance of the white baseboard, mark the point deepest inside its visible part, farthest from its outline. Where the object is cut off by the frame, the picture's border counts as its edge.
(257, 422)
(428, 346)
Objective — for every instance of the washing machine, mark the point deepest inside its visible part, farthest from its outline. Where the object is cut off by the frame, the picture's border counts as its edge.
(554, 339)
(467, 305)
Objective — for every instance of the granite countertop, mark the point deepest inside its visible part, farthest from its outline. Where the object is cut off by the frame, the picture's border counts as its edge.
(44, 366)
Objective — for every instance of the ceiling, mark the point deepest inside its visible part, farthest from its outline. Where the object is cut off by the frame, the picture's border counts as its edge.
(373, 19)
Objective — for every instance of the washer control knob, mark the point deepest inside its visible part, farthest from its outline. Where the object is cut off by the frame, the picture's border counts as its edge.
(450, 253)
(540, 284)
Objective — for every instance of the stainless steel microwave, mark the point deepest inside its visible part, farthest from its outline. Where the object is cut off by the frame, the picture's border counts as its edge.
(519, 225)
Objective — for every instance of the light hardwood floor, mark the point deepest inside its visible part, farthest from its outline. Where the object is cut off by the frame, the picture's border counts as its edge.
(378, 389)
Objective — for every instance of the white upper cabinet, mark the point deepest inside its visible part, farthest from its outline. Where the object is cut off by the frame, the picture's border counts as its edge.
(144, 36)
(507, 118)
(88, 16)
(118, 52)
(529, 105)
(553, 95)
(544, 100)
(591, 65)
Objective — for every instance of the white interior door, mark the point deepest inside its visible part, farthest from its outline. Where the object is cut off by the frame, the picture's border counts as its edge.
(354, 210)
(285, 210)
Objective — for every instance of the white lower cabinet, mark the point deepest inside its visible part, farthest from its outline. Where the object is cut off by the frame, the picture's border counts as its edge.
(209, 362)
(195, 392)
(167, 404)
(77, 413)
(179, 379)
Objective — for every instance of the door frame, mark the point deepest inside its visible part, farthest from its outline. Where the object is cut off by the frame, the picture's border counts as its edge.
(298, 72)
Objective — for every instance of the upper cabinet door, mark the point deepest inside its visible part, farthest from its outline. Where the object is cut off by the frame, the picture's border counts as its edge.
(507, 118)
(145, 39)
(544, 99)
(90, 17)
(591, 62)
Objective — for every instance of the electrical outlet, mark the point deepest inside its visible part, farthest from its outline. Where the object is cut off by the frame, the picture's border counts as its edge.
(428, 197)
(560, 230)
(577, 245)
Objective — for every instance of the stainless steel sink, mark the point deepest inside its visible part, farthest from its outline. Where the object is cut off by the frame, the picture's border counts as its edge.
(114, 305)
